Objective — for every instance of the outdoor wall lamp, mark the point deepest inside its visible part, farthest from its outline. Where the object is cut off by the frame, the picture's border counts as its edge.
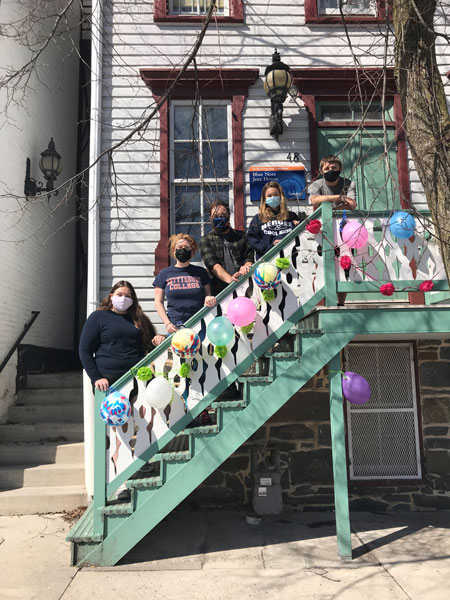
(51, 166)
(277, 84)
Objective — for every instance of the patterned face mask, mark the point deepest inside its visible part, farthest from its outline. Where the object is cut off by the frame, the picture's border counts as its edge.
(221, 223)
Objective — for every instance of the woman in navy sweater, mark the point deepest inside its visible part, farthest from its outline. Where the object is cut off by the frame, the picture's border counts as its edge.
(273, 222)
(116, 336)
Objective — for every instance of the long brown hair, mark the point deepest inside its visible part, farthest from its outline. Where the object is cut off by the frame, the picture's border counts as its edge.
(265, 212)
(138, 316)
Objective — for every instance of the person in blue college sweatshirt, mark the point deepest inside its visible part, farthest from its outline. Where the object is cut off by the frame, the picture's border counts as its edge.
(116, 336)
(273, 221)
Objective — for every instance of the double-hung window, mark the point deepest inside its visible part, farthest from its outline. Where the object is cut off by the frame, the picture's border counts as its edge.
(201, 168)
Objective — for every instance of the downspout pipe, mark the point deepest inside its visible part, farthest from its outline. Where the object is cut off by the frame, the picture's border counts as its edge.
(93, 271)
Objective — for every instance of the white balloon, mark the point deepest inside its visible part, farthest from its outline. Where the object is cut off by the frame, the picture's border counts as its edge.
(158, 393)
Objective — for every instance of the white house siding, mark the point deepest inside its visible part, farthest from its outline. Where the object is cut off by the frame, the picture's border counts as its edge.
(36, 242)
(133, 41)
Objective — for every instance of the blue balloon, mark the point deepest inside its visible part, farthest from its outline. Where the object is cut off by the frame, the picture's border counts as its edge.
(220, 331)
(402, 225)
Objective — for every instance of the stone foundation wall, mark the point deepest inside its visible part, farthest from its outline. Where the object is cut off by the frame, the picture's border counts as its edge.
(301, 430)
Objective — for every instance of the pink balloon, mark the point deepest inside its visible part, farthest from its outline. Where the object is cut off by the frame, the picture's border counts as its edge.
(355, 235)
(241, 311)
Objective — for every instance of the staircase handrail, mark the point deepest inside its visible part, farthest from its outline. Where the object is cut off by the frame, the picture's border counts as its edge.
(22, 334)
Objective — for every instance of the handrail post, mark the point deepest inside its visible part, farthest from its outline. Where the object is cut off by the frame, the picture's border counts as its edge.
(328, 254)
(339, 459)
(99, 465)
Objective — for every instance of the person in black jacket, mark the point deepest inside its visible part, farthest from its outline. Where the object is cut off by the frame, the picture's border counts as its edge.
(273, 222)
(116, 336)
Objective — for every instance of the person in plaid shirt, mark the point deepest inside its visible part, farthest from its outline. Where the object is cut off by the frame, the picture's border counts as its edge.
(225, 252)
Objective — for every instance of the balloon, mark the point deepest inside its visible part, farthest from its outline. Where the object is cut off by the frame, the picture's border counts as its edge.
(267, 276)
(241, 311)
(355, 388)
(220, 331)
(158, 393)
(185, 342)
(402, 224)
(354, 234)
(115, 409)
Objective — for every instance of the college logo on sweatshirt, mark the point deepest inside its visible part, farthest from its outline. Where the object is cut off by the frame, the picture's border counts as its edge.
(183, 282)
(276, 227)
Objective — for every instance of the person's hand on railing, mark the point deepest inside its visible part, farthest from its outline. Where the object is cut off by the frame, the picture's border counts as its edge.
(170, 328)
(158, 339)
(102, 385)
(346, 202)
(244, 270)
(210, 301)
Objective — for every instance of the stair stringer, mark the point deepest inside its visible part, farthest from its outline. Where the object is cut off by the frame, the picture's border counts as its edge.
(163, 500)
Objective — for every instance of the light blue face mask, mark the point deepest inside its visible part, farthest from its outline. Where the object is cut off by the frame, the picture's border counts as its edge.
(273, 201)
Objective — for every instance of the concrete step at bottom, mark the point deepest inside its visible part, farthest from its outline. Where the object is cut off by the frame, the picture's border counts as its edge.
(50, 396)
(41, 475)
(39, 500)
(68, 379)
(46, 413)
(41, 453)
(41, 432)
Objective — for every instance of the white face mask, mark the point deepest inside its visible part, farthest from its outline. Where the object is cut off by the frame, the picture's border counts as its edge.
(121, 303)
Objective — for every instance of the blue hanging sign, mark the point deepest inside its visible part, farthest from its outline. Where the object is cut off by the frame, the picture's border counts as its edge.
(291, 179)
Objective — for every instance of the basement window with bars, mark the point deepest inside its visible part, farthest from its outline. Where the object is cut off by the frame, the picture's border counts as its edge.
(383, 434)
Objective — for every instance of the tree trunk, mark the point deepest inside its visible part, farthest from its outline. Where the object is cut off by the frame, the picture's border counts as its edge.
(427, 122)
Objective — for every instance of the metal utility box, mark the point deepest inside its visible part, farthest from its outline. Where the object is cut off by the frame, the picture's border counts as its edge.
(266, 485)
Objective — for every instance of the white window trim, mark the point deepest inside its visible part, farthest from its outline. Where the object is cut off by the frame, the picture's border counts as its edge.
(200, 181)
(354, 409)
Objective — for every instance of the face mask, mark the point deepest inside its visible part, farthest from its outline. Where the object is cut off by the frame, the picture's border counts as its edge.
(183, 254)
(121, 303)
(331, 175)
(273, 201)
(220, 223)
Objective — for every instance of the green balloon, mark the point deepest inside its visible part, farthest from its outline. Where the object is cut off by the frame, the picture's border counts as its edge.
(220, 331)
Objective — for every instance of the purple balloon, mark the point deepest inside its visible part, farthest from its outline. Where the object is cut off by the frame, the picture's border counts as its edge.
(355, 388)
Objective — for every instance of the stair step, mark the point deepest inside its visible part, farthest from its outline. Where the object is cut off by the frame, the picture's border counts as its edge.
(175, 456)
(49, 396)
(147, 482)
(281, 354)
(229, 404)
(42, 432)
(38, 500)
(68, 379)
(41, 475)
(38, 454)
(82, 531)
(202, 430)
(46, 413)
(256, 378)
(122, 508)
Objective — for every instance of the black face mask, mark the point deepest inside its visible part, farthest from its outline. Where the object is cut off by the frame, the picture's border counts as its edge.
(331, 175)
(183, 254)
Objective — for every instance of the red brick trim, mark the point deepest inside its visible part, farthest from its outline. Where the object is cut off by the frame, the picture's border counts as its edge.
(229, 84)
(161, 14)
(312, 16)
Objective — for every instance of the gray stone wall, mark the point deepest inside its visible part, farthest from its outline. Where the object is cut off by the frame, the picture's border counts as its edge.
(301, 430)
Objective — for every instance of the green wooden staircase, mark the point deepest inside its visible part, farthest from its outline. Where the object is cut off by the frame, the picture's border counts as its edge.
(162, 461)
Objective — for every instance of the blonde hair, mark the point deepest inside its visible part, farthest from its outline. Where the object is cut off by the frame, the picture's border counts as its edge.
(174, 239)
(265, 212)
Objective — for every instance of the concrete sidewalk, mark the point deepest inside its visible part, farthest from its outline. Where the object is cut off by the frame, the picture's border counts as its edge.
(216, 555)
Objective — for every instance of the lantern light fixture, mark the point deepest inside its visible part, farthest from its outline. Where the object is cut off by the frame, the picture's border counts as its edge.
(277, 84)
(51, 166)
